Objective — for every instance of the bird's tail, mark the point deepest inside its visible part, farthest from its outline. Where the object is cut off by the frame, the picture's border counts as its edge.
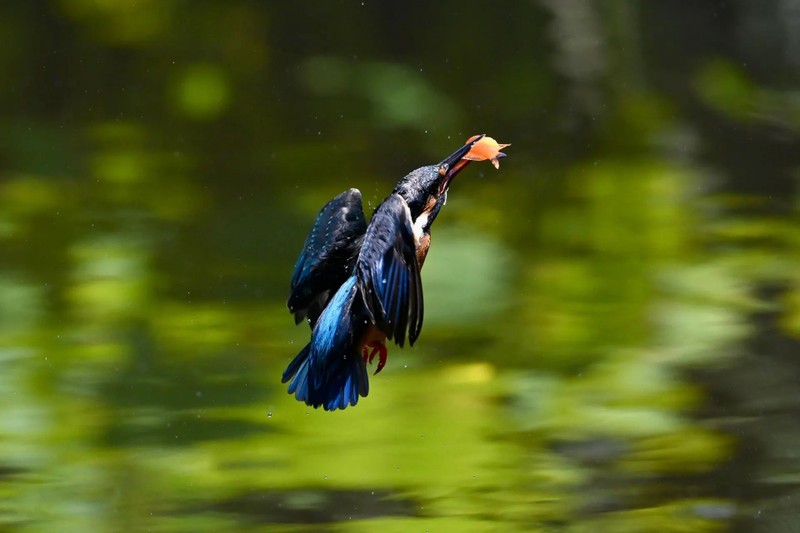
(329, 372)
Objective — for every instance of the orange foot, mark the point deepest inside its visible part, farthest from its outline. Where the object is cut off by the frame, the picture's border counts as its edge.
(379, 349)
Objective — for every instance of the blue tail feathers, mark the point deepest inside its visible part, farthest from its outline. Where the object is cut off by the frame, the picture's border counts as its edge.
(329, 371)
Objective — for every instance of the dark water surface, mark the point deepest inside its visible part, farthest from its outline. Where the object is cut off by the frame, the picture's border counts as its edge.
(612, 323)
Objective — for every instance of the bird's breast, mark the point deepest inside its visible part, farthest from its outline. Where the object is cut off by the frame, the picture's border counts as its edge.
(423, 244)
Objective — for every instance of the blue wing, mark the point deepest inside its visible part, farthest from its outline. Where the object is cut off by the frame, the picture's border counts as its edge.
(329, 371)
(328, 255)
(388, 272)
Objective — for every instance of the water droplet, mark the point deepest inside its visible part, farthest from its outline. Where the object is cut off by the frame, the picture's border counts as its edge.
(269, 415)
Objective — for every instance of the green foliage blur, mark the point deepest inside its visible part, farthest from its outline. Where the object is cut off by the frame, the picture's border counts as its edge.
(612, 319)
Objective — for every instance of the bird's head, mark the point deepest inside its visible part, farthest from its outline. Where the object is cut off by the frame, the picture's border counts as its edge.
(425, 189)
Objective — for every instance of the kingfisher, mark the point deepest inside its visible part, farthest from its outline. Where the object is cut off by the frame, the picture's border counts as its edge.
(358, 284)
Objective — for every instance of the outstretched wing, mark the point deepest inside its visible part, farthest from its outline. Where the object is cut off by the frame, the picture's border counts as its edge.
(328, 255)
(388, 272)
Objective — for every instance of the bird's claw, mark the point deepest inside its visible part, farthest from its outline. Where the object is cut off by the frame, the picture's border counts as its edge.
(379, 349)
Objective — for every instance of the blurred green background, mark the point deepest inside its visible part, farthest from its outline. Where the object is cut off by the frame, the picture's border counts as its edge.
(612, 326)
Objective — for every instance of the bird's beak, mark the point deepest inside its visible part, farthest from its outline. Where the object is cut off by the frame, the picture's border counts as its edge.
(455, 162)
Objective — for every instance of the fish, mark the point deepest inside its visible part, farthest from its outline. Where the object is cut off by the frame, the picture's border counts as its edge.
(486, 148)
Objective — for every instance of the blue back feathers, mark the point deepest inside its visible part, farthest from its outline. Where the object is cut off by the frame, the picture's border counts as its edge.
(329, 371)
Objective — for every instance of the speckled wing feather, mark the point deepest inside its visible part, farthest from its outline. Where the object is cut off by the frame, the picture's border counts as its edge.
(328, 255)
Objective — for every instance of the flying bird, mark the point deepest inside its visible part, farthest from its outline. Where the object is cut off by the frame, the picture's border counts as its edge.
(358, 284)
